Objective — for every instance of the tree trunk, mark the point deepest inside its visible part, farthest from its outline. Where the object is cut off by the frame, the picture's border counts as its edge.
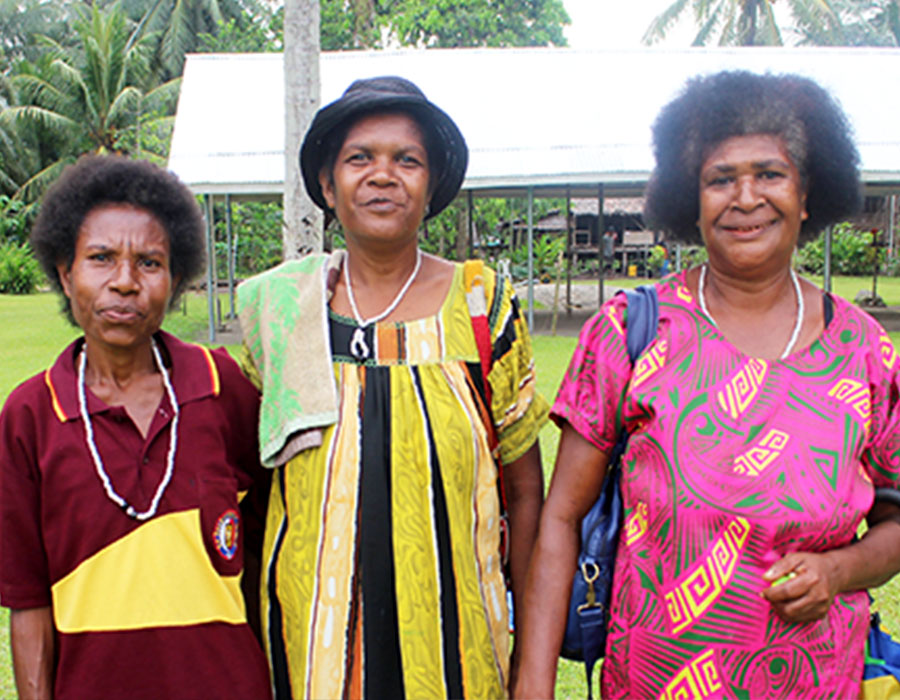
(302, 219)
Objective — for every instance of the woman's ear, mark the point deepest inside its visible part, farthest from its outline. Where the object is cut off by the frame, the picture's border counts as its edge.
(804, 215)
(326, 182)
(64, 271)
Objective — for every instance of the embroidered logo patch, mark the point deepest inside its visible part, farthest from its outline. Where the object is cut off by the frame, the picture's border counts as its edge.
(225, 534)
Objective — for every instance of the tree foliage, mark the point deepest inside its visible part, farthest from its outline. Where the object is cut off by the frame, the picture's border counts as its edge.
(740, 22)
(812, 22)
(88, 96)
(348, 24)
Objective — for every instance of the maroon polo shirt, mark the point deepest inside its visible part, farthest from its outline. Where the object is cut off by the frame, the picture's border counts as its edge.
(142, 609)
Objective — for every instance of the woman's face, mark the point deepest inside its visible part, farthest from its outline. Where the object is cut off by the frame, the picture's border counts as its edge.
(379, 185)
(120, 282)
(752, 204)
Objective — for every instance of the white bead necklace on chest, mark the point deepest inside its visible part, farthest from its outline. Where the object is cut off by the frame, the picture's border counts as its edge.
(798, 324)
(358, 346)
(95, 453)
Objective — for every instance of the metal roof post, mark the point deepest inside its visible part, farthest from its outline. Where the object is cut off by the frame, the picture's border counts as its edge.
(232, 254)
(470, 224)
(569, 234)
(531, 259)
(601, 231)
(210, 264)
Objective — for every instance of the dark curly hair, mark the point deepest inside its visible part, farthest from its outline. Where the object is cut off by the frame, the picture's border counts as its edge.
(96, 180)
(717, 107)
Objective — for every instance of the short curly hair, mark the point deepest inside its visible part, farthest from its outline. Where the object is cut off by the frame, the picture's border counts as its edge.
(714, 108)
(93, 181)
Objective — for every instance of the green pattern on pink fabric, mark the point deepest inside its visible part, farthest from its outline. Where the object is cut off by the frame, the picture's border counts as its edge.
(733, 462)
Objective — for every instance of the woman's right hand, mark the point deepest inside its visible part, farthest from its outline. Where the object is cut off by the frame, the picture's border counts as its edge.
(577, 479)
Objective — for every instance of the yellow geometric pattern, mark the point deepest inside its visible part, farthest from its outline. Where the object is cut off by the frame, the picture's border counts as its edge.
(742, 388)
(886, 348)
(753, 461)
(649, 363)
(614, 319)
(684, 294)
(700, 587)
(636, 525)
(856, 395)
(698, 679)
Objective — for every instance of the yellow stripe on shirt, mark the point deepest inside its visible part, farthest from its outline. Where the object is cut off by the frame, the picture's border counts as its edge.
(159, 575)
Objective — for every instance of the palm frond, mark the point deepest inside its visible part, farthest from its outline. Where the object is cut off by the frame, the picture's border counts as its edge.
(37, 115)
(122, 102)
(706, 29)
(663, 22)
(767, 28)
(34, 186)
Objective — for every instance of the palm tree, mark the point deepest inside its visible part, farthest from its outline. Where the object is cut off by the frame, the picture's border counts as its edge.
(94, 96)
(302, 220)
(741, 22)
(862, 23)
(175, 26)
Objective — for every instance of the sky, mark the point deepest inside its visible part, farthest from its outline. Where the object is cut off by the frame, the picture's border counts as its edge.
(614, 24)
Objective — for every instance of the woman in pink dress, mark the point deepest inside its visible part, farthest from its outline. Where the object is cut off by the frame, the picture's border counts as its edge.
(762, 418)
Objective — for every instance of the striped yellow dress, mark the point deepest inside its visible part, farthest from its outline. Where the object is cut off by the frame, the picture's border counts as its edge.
(381, 573)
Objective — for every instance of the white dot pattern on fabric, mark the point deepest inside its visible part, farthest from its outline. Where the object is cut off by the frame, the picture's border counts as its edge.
(328, 633)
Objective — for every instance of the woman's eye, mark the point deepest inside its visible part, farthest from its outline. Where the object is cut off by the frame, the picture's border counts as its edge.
(99, 257)
(150, 263)
(771, 174)
(409, 160)
(357, 158)
(720, 181)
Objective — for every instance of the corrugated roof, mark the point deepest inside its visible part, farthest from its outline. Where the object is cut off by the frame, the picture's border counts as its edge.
(541, 117)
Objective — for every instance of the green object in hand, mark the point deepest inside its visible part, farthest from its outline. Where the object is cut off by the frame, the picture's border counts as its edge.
(787, 577)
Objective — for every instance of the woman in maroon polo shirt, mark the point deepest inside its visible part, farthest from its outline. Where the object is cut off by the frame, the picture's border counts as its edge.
(122, 466)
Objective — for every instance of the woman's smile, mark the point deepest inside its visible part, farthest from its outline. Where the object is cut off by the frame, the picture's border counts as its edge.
(752, 202)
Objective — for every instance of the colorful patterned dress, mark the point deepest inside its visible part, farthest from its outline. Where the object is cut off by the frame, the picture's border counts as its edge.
(382, 575)
(733, 462)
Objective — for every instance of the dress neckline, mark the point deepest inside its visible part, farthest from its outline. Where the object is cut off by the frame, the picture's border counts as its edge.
(796, 353)
(448, 299)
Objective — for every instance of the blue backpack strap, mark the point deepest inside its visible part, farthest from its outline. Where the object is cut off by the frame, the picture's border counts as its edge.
(641, 324)
(642, 319)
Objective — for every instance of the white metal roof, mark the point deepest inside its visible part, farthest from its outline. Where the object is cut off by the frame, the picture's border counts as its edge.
(540, 117)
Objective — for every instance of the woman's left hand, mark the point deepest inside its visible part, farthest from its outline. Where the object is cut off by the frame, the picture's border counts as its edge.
(803, 586)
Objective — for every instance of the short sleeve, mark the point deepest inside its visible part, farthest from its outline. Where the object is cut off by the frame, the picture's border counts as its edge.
(519, 409)
(591, 395)
(881, 458)
(24, 572)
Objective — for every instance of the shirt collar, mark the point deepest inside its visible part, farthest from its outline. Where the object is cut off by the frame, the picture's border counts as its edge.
(192, 371)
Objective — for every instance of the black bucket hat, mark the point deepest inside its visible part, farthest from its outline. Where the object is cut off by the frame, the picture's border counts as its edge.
(448, 154)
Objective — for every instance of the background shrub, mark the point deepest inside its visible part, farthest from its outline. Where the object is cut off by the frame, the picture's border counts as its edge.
(20, 272)
(851, 252)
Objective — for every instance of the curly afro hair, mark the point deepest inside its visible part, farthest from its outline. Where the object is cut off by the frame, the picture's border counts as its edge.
(97, 180)
(714, 108)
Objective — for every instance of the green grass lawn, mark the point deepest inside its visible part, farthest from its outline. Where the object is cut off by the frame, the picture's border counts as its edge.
(33, 333)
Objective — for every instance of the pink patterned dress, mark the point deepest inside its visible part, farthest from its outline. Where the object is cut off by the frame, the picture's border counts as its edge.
(733, 462)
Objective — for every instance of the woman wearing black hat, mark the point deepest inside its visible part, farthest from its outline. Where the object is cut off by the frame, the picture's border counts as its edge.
(382, 573)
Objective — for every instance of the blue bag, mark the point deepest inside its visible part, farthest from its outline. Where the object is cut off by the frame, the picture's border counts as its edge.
(588, 618)
(881, 670)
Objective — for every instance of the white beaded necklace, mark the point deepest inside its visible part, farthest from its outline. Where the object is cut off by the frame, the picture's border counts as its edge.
(358, 347)
(798, 324)
(95, 454)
